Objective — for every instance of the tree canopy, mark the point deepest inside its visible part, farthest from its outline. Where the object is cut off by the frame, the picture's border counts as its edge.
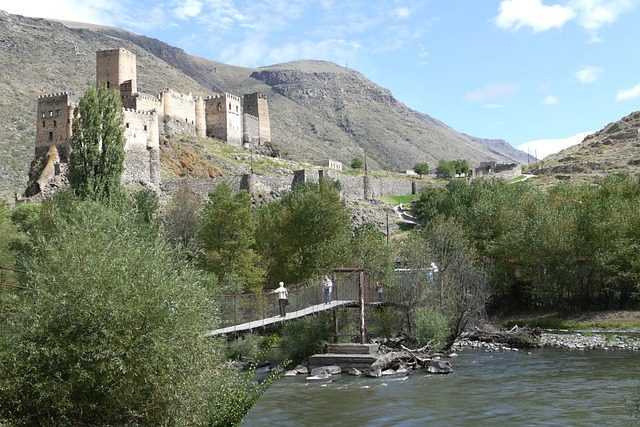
(96, 162)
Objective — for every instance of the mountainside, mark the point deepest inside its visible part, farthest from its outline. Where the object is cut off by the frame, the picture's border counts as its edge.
(318, 109)
(613, 149)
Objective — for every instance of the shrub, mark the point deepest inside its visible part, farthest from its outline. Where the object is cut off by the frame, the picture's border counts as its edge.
(431, 328)
(307, 336)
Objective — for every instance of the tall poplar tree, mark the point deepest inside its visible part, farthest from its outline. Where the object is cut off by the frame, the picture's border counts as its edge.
(97, 155)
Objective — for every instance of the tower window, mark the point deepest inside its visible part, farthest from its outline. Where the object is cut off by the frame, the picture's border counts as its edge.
(127, 125)
(219, 108)
(145, 127)
(55, 124)
(43, 124)
(50, 136)
(51, 113)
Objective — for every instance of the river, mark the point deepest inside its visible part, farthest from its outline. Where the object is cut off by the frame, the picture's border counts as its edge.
(545, 387)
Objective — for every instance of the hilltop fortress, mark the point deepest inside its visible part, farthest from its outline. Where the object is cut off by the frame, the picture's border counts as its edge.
(227, 117)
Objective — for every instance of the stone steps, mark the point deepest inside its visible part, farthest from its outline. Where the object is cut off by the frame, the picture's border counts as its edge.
(344, 361)
(349, 348)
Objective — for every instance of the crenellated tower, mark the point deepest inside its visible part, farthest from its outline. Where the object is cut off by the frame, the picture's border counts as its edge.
(255, 104)
(55, 114)
(115, 67)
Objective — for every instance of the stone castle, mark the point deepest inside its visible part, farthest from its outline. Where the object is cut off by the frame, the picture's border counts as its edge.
(237, 121)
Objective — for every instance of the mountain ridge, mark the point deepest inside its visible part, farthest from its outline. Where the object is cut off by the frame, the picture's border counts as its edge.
(318, 109)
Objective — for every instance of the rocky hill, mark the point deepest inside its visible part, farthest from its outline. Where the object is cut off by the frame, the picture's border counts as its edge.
(613, 149)
(318, 109)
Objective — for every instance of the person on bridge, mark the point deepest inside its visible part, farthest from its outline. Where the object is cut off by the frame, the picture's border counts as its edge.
(283, 298)
(327, 284)
(379, 291)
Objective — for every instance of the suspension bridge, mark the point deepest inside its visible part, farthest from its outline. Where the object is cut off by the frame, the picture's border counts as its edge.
(240, 313)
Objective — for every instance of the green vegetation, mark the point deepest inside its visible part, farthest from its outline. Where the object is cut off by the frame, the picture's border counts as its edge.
(96, 162)
(452, 168)
(421, 169)
(227, 238)
(307, 336)
(571, 248)
(357, 163)
(400, 200)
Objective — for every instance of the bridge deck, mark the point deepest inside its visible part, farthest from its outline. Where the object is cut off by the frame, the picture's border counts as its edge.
(277, 319)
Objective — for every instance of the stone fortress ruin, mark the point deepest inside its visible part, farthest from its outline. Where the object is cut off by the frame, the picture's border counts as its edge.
(227, 117)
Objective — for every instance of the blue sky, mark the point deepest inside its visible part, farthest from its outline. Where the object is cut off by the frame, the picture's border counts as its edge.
(532, 72)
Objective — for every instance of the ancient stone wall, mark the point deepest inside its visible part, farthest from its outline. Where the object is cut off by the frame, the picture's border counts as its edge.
(353, 187)
(250, 130)
(506, 171)
(201, 119)
(55, 114)
(179, 107)
(142, 159)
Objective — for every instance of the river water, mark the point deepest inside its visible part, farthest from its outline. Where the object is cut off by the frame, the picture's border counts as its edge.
(546, 387)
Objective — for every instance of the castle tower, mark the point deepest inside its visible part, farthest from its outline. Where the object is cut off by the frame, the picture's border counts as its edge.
(224, 118)
(255, 104)
(115, 67)
(55, 114)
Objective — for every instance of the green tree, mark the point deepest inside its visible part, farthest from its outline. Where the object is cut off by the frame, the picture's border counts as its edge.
(97, 154)
(459, 290)
(445, 169)
(357, 163)
(109, 330)
(305, 233)
(181, 221)
(421, 169)
(227, 236)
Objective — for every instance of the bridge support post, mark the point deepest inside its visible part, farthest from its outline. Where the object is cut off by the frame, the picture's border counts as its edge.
(335, 325)
(361, 301)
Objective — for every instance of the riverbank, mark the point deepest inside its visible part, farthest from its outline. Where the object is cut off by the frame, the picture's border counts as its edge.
(609, 330)
(574, 340)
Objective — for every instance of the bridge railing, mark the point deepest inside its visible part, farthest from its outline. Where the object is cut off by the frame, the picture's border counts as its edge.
(245, 308)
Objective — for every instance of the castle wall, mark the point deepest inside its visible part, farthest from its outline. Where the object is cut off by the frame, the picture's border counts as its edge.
(224, 118)
(250, 130)
(116, 66)
(142, 159)
(256, 105)
(55, 115)
(179, 112)
(201, 120)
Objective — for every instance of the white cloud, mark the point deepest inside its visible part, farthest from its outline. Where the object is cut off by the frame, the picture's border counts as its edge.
(551, 100)
(515, 14)
(188, 9)
(90, 11)
(492, 91)
(626, 94)
(588, 74)
(401, 13)
(593, 14)
(494, 106)
(541, 148)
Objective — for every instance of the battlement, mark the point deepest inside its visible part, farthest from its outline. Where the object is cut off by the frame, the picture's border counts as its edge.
(146, 112)
(54, 95)
(223, 96)
(115, 51)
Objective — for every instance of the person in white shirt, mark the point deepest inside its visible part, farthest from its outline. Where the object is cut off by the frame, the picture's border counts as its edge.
(283, 298)
(327, 284)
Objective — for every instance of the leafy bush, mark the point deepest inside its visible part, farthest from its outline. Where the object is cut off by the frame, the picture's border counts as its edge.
(307, 336)
(109, 331)
(431, 328)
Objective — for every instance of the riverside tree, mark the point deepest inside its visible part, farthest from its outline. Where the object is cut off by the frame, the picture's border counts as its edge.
(108, 329)
(455, 295)
(305, 233)
(227, 239)
(97, 154)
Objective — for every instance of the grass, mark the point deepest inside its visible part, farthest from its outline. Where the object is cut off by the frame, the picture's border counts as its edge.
(400, 200)
(615, 321)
